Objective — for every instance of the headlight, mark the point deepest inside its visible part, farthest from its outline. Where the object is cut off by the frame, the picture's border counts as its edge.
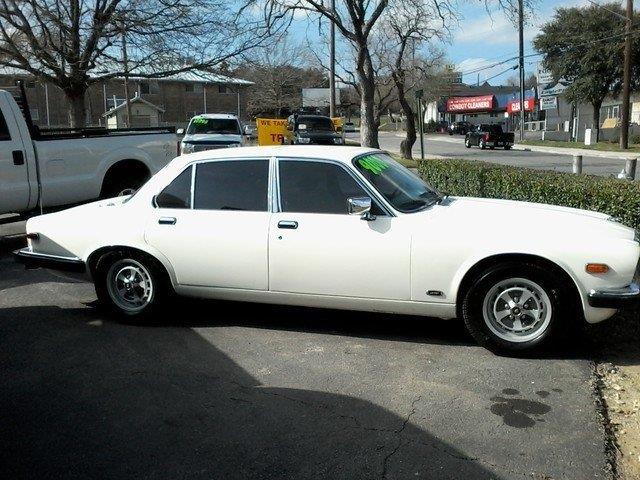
(304, 140)
(337, 141)
(187, 148)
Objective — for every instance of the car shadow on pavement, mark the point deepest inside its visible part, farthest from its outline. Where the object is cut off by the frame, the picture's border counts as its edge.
(88, 398)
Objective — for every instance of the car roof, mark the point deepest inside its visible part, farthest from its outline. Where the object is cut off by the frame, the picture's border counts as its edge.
(323, 152)
(224, 116)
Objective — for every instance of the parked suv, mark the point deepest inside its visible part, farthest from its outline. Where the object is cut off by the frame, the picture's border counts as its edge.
(460, 128)
(211, 130)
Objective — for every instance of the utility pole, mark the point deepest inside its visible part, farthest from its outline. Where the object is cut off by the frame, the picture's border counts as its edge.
(521, 64)
(126, 73)
(332, 63)
(626, 79)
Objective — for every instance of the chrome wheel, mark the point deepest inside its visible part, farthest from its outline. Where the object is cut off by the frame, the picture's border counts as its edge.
(129, 285)
(517, 310)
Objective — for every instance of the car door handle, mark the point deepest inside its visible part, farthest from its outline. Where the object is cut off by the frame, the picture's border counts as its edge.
(167, 221)
(18, 157)
(290, 224)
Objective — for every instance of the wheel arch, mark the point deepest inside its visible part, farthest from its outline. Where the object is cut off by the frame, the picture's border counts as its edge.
(136, 166)
(492, 260)
(95, 255)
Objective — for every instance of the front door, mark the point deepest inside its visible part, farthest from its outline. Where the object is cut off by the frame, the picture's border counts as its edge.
(215, 236)
(14, 174)
(316, 247)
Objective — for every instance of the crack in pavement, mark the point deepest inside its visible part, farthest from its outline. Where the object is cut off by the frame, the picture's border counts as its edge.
(398, 433)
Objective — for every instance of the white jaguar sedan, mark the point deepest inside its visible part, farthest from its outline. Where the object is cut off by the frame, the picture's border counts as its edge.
(347, 228)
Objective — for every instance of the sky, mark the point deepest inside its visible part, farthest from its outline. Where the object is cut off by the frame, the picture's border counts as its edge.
(485, 38)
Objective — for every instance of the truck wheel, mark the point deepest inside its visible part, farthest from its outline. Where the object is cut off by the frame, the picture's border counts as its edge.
(467, 143)
(516, 307)
(122, 186)
(507, 147)
(130, 284)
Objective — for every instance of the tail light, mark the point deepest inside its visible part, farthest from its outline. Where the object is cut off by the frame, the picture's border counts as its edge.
(485, 137)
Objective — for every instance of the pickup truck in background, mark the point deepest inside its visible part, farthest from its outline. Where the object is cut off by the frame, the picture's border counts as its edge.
(54, 167)
(313, 129)
(490, 136)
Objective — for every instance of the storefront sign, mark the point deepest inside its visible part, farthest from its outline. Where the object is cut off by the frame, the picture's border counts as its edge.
(482, 103)
(548, 103)
(514, 105)
(544, 76)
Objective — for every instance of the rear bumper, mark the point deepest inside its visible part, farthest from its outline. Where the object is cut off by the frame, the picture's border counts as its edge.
(54, 262)
(628, 296)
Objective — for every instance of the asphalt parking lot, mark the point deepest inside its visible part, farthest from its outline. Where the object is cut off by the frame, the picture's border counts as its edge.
(237, 391)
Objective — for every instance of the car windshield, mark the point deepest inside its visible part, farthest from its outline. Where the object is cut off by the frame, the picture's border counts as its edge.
(315, 124)
(201, 125)
(405, 191)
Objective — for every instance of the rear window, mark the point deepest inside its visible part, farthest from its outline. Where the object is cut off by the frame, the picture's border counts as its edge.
(232, 185)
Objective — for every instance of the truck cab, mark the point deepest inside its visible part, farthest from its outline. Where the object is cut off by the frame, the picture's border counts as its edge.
(209, 131)
(313, 130)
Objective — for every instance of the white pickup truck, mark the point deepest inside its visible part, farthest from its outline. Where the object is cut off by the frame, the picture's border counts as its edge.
(48, 168)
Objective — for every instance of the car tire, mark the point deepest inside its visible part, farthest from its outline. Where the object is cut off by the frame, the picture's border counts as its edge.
(507, 147)
(467, 143)
(492, 148)
(482, 145)
(131, 284)
(510, 328)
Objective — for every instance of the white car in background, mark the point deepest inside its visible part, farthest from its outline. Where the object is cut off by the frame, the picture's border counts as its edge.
(210, 131)
(347, 228)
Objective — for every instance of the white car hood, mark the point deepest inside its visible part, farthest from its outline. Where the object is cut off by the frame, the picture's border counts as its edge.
(212, 137)
(507, 218)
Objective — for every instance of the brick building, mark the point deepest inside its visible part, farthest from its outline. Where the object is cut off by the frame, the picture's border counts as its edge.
(178, 97)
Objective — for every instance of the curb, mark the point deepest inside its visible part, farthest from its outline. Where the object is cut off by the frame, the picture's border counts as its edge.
(576, 151)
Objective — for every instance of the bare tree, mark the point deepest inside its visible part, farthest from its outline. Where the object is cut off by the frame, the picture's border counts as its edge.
(75, 43)
(403, 44)
(280, 72)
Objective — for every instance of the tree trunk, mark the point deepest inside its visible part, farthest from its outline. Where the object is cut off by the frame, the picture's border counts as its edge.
(366, 80)
(596, 118)
(407, 144)
(77, 108)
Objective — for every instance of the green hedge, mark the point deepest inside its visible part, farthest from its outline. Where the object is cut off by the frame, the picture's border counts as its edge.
(619, 198)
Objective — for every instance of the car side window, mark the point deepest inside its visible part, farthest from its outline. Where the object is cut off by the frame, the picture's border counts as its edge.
(316, 187)
(4, 129)
(232, 185)
(178, 193)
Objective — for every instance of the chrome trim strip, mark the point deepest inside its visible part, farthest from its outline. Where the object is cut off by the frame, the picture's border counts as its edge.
(630, 291)
(29, 253)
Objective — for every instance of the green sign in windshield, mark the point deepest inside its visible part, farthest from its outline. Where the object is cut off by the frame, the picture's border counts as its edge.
(373, 163)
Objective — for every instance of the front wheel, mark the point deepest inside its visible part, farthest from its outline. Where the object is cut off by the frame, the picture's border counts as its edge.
(130, 284)
(517, 307)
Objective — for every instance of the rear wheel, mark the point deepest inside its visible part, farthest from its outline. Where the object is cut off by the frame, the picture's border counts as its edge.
(467, 142)
(517, 307)
(482, 144)
(131, 284)
(127, 185)
(507, 147)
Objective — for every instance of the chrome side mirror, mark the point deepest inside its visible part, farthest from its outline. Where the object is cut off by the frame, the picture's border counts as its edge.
(360, 206)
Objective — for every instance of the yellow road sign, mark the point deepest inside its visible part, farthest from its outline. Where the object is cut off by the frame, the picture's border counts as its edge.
(272, 131)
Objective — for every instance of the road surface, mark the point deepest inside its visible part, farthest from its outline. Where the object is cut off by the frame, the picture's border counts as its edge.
(453, 147)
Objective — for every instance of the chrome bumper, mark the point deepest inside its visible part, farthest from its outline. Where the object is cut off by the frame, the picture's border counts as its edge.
(628, 296)
(54, 262)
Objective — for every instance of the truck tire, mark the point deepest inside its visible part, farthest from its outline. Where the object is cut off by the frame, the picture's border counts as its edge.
(482, 145)
(507, 147)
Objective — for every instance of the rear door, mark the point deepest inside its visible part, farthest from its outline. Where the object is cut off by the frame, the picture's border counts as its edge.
(14, 173)
(212, 223)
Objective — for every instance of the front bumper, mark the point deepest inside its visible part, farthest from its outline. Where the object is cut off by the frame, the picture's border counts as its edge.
(624, 297)
(32, 259)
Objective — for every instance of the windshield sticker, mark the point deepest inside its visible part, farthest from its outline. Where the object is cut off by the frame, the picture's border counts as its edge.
(199, 121)
(373, 164)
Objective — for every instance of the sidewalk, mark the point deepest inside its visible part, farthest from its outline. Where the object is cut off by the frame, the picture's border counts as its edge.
(585, 152)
